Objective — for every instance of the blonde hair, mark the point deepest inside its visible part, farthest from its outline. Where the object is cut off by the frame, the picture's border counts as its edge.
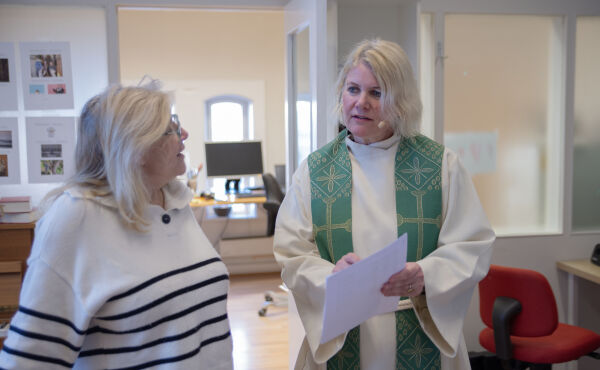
(400, 101)
(116, 128)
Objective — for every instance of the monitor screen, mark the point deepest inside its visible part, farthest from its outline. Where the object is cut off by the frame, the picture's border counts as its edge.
(233, 159)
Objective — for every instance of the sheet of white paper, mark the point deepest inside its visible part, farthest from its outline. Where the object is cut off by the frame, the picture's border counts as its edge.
(353, 295)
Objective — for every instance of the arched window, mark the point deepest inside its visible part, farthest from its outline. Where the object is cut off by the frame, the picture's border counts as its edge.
(229, 118)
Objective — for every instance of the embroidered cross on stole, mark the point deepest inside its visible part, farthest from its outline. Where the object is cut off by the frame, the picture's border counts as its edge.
(418, 207)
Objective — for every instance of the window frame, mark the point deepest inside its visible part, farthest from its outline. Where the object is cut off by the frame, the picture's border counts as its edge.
(246, 113)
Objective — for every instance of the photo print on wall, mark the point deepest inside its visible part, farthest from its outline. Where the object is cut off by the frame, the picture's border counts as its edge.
(8, 84)
(51, 146)
(46, 70)
(4, 71)
(9, 151)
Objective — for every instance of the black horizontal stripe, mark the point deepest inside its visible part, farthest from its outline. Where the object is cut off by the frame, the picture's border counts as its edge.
(178, 358)
(164, 276)
(54, 318)
(47, 338)
(39, 358)
(165, 298)
(173, 338)
(98, 329)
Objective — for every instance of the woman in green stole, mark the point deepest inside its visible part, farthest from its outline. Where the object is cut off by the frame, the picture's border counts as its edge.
(376, 181)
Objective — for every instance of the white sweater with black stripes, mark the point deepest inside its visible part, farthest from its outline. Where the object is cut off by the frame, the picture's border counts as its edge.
(97, 295)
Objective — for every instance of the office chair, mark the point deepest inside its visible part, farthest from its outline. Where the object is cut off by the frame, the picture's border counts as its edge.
(274, 199)
(274, 196)
(519, 310)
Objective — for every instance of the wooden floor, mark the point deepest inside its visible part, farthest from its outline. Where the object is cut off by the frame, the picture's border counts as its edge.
(259, 343)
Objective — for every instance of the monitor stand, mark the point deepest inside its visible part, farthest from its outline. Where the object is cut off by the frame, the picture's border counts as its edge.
(236, 186)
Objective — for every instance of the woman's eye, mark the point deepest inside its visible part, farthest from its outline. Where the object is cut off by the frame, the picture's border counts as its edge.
(376, 93)
(353, 89)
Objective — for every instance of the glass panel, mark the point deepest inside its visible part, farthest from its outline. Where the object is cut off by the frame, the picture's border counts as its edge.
(586, 176)
(303, 99)
(427, 73)
(502, 112)
(303, 115)
(226, 121)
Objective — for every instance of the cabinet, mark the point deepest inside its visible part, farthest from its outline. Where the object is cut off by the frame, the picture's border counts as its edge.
(15, 246)
(15, 242)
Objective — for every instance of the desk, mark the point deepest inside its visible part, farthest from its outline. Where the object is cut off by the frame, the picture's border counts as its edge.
(580, 268)
(241, 237)
(231, 199)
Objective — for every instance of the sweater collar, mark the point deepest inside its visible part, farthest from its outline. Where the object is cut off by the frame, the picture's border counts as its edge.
(177, 196)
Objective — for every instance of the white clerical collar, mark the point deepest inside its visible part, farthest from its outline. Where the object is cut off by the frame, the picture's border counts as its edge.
(383, 144)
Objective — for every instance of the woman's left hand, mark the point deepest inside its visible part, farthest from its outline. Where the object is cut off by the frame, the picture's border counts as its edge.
(408, 282)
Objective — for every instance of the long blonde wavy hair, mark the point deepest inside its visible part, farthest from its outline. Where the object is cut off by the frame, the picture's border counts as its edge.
(400, 101)
(116, 128)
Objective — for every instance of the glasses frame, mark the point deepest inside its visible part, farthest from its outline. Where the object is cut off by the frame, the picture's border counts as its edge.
(170, 131)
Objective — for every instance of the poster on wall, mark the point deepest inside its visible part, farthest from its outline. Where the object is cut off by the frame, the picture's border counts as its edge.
(477, 150)
(50, 148)
(47, 75)
(9, 151)
(8, 77)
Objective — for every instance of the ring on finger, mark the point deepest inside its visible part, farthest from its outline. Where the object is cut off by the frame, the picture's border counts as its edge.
(410, 288)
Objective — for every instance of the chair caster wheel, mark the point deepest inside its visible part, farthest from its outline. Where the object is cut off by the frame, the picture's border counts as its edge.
(262, 312)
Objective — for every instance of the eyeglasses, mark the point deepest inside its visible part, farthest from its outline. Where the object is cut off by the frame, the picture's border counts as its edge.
(177, 130)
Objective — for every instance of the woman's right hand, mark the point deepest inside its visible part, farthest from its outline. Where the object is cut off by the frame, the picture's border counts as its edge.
(345, 261)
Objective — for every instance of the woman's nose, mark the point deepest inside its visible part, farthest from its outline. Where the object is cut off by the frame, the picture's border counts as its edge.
(184, 134)
(363, 101)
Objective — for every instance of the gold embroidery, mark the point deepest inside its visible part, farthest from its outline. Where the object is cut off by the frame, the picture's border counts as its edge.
(419, 220)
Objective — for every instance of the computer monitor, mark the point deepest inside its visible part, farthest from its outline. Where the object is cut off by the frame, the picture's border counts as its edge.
(233, 159)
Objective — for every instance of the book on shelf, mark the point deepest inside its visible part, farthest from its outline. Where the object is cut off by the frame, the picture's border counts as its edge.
(15, 204)
(20, 218)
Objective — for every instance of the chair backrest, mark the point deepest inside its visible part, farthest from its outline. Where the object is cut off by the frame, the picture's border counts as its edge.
(272, 189)
(274, 198)
(539, 315)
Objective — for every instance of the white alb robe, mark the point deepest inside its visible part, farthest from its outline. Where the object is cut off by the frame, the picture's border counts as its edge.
(451, 272)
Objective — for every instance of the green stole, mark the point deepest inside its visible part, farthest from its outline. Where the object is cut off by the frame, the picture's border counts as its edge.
(418, 206)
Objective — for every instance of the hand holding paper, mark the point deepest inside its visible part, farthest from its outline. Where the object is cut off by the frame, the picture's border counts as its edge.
(408, 282)
(353, 294)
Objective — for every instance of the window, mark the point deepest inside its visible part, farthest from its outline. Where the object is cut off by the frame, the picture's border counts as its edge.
(503, 83)
(586, 135)
(229, 118)
(303, 127)
(427, 74)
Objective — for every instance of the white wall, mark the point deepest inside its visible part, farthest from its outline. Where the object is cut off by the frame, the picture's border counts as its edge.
(85, 29)
(202, 53)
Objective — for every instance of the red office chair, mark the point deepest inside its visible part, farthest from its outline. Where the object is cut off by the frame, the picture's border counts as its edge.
(519, 310)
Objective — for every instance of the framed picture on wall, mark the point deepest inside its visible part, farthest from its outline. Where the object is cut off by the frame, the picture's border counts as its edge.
(8, 77)
(9, 151)
(47, 75)
(50, 148)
